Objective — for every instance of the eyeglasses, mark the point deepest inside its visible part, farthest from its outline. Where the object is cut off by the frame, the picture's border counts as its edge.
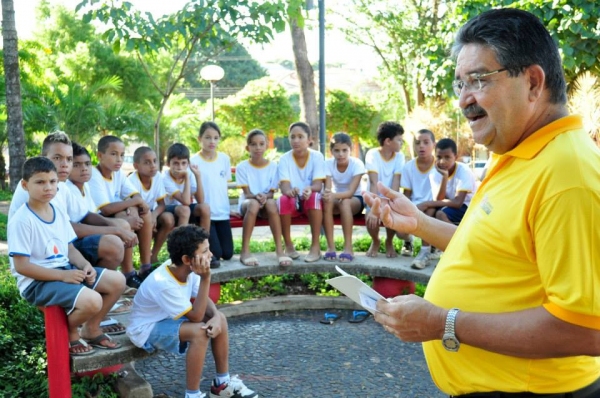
(473, 81)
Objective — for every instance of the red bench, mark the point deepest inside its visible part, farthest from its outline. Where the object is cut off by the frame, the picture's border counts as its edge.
(237, 222)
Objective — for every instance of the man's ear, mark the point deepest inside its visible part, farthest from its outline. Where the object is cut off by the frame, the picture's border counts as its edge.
(537, 81)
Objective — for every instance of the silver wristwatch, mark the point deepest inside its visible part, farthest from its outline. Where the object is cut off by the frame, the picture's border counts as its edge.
(449, 340)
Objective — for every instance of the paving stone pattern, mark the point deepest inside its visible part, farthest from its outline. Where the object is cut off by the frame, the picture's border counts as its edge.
(291, 354)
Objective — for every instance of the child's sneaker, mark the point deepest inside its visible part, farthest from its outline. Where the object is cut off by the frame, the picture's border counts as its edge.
(133, 281)
(407, 249)
(234, 389)
(435, 254)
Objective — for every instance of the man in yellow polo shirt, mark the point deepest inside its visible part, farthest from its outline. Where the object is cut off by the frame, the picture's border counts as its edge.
(513, 308)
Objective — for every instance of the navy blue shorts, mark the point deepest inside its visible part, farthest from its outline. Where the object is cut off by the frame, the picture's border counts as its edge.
(171, 209)
(88, 247)
(455, 215)
(47, 293)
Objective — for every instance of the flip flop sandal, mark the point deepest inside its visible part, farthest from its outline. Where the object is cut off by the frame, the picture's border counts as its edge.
(112, 327)
(293, 255)
(96, 342)
(121, 307)
(285, 261)
(358, 316)
(77, 344)
(129, 292)
(329, 318)
(346, 257)
(330, 256)
(250, 262)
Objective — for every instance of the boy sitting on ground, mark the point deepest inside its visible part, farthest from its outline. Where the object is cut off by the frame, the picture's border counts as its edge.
(48, 268)
(162, 317)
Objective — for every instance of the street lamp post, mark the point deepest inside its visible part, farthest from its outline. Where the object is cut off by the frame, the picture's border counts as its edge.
(212, 74)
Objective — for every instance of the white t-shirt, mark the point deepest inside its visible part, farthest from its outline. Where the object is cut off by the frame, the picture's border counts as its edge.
(340, 182)
(385, 169)
(420, 183)
(257, 179)
(172, 187)
(160, 297)
(151, 195)
(115, 189)
(68, 203)
(215, 175)
(302, 177)
(461, 181)
(84, 196)
(45, 243)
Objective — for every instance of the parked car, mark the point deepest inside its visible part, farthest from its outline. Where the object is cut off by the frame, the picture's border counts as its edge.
(478, 166)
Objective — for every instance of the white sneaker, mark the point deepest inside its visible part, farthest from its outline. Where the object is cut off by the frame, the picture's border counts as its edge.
(421, 261)
(199, 395)
(234, 389)
(407, 249)
(435, 253)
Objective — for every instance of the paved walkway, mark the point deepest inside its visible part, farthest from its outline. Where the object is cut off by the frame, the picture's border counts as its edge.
(291, 354)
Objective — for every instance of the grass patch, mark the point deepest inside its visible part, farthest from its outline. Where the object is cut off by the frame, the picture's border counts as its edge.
(5, 195)
(3, 224)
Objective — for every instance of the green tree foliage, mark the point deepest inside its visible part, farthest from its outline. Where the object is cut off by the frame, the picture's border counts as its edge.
(352, 115)
(261, 104)
(209, 24)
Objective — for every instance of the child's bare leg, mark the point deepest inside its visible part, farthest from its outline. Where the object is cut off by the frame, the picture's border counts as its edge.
(286, 227)
(197, 339)
(165, 223)
(202, 211)
(127, 265)
(328, 223)
(87, 305)
(375, 242)
(182, 213)
(275, 225)
(348, 208)
(315, 218)
(220, 347)
(250, 209)
(440, 215)
(110, 287)
(390, 251)
(145, 238)
(110, 252)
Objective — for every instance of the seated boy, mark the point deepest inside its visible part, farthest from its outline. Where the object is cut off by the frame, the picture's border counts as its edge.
(100, 248)
(454, 183)
(50, 271)
(384, 164)
(162, 317)
(416, 182)
(185, 193)
(148, 181)
(114, 196)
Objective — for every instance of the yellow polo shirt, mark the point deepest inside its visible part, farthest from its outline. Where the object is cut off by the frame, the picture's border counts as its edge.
(530, 238)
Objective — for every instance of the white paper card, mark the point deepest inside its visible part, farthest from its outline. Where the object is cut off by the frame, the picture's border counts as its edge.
(356, 290)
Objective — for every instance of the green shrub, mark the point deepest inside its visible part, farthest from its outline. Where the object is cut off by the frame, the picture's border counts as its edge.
(3, 224)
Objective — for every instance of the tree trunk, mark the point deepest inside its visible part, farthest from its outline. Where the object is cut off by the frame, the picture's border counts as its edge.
(16, 135)
(306, 78)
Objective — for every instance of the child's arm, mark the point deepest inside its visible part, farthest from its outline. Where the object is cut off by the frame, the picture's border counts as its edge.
(199, 195)
(287, 190)
(200, 265)
(455, 203)
(26, 268)
(441, 195)
(396, 182)
(317, 186)
(113, 208)
(351, 189)
(373, 180)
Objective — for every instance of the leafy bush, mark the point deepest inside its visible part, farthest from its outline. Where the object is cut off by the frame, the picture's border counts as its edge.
(3, 225)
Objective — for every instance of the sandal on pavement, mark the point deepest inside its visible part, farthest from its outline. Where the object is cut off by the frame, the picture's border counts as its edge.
(358, 316)
(329, 318)
(121, 307)
(112, 327)
(293, 255)
(330, 256)
(308, 259)
(76, 345)
(249, 262)
(346, 257)
(129, 292)
(97, 341)
(285, 261)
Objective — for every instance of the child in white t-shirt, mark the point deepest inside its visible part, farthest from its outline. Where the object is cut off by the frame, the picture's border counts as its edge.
(163, 318)
(417, 177)
(257, 177)
(301, 176)
(48, 268)
(114, 196)
(453, 182)
(384, 164)
(342, 194)
(216, 173)
(148, 182)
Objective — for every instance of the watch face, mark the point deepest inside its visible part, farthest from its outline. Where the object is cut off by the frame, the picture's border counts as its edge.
(450, 343)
